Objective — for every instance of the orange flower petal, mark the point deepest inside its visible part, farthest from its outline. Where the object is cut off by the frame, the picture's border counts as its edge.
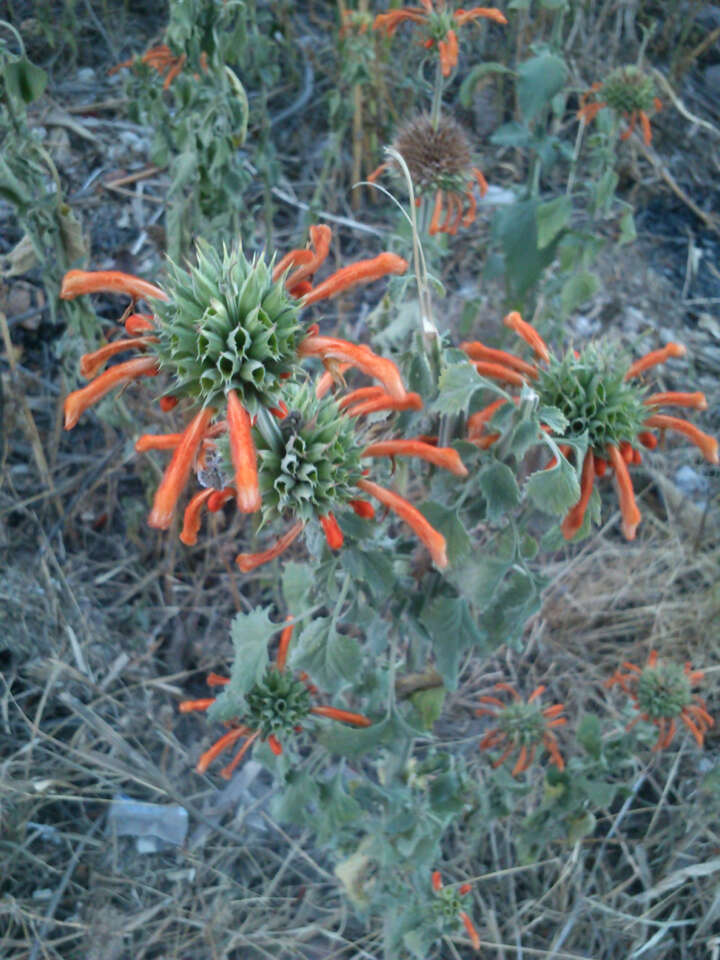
(437, 880)
(574, 519)
(364, 271)
(433, 540)
(437, 213)
(478, 351)
(92, 363)
(331, 348)
(250, 561)
(178, 470)
(654, 358)
(496, 371)
(528, 333)
(707, 445)
(488, 13)
(285, 638)
(191, 517)
(77, 402)
(411, 401)
(138, 323)
(675, 398)
(332, 531)
(628, 508)
(344, 716)
(75, 283)
(444, 457)
(244, 458)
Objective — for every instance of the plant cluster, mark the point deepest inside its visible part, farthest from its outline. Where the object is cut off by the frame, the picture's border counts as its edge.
(483, 462)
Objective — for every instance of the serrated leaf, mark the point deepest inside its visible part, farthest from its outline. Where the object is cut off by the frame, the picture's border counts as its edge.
(478, 577)
(331, 658)
(589, 734)
(452, 630)
(577, 290)
(447, 522)
(346, 741)
(499, 487)
(458, 382)
(554, 418)
(250, 634)
(555, 490)
(539, 79)
(373, 567)
(515, 602)
(552, 217)
(299, 793)
(429, 704)
(297, 581)
(605, 191)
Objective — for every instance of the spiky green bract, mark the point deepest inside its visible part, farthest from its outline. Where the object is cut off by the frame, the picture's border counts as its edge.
(308, 463)
(226, 326)
(276, 704)
(523, 723)
(628, 89)
(590, 390)
(663, 690)
(446, 906)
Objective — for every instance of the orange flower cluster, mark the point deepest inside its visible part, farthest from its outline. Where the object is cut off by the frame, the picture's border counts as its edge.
(545, 376)
(522, 726)
(439, 24)
(661, 693)
(162, 59)
(627, 91)
(276, 704)
(300, 265)
(449, 904)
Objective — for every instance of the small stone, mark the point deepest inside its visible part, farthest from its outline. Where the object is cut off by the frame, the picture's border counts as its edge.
(86, 75)
(690, 482)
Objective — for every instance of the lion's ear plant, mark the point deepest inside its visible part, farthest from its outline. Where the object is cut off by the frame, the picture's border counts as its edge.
(400, 502)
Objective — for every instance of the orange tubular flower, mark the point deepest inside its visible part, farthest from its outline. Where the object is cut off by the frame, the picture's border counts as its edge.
(434, 541)
(661, 692)
(439, 24)
(242, 451)
(178, 470)
(364, 271)
(601, 404)
(448, 905)
(251, 561)
(191, 518)
(330, 349)
(444, 457)
(75, 283)
(274, 706)
(77, 402)
(162, 59)
(522, 726)
(92, 363)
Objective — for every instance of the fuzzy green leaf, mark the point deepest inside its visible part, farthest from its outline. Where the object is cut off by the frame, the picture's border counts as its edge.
(555, 490)
(577, 290)
(539, 79)
(429, 704)
(250, 634)
(500, 489)
(297, 581)
(448, 523)
(458, 382)
(452, 630)
(332, 659)
(552, 217)
(24, 80)
(347, 741)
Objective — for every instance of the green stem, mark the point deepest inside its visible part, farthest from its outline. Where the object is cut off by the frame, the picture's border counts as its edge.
(437, 97)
